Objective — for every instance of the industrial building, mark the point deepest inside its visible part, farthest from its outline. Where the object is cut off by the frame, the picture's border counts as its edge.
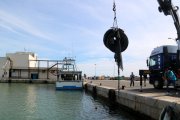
(24, 66)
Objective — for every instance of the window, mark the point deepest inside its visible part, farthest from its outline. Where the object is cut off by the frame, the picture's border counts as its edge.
(155, 61)
(152, 61)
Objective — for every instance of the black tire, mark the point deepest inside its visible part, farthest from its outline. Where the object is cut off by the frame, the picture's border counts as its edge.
(110, 42)
(158, 84)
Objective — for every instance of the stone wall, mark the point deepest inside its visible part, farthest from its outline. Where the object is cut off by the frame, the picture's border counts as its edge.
(138, 102)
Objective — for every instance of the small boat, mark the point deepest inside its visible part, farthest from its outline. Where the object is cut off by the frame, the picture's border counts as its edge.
(69, 78)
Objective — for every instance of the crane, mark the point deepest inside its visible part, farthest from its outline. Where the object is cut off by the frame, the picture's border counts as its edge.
(168, 8)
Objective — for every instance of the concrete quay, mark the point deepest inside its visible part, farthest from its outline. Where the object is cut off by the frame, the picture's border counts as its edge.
(149, 102)
(39, 81)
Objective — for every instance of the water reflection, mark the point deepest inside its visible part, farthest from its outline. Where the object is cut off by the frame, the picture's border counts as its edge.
(43, 102)
(31, 99)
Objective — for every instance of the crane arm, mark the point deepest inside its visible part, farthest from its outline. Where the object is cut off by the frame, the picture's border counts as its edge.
(168, 8)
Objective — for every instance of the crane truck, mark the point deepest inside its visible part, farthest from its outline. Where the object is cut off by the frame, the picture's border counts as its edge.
(162, 57)
(166, 56)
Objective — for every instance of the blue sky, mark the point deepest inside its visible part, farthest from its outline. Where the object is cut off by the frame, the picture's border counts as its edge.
(55, 29)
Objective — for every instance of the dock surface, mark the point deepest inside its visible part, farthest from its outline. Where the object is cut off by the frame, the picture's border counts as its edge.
(136, 88)
(149, 101)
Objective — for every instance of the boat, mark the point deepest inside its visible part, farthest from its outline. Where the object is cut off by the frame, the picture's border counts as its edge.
(69, 78)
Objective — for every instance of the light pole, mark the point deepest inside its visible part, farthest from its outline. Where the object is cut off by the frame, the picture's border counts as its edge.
(95, 71)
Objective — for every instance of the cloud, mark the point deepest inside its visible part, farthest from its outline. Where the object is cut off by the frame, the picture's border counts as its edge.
(55, 29)
(93, 10)
(17, 25)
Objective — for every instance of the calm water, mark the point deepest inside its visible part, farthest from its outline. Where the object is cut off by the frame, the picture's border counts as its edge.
(43, 102)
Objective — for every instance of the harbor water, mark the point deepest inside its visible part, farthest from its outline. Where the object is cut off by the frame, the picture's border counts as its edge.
(43, 102)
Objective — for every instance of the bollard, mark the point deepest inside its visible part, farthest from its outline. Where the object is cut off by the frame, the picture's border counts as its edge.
(123, 87)
(140, 83)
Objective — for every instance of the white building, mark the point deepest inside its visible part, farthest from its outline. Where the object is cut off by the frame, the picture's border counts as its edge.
(4, 67)
(21, 59)
(26, 66)
(18, 60)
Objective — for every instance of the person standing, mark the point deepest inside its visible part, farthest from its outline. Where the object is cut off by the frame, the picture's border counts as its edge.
(131, 79)
(170, 77)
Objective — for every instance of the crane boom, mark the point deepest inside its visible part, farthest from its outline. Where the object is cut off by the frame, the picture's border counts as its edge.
(168, 8)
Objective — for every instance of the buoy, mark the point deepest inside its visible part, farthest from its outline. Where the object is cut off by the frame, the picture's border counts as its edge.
(112, 37)
(116, 41)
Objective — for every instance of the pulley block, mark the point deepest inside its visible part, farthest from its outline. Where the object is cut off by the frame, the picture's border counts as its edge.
(114, 37)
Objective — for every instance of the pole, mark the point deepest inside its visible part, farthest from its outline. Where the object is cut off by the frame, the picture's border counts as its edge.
(140, 82)
(118, 81)
(178, 53)
(95, 72)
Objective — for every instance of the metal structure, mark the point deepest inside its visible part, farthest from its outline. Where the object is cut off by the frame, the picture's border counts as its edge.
(68, 76)
(48, 67)
(45, 69)
(168, 8)
(69, 71)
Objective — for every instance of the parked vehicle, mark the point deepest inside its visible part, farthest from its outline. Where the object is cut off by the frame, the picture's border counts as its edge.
(162, 57)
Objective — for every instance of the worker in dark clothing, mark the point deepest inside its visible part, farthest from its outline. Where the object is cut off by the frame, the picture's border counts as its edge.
(131, 79)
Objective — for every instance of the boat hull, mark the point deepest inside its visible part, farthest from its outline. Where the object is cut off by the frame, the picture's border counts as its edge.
(69, 85)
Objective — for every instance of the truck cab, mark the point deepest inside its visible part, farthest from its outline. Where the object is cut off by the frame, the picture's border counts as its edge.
(161, 58)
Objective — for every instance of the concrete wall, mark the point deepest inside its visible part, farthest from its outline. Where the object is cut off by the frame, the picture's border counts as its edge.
(139, 102)
(4, 68)
(2, 63)
(21, 59)
(33, 56)
(24, 73)
(43, 75)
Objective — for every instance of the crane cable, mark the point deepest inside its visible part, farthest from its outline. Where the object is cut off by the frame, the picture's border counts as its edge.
(115, 25)
(116, 41)
(117, 56)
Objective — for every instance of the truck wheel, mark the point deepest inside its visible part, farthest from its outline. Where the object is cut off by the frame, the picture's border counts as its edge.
(158, 84)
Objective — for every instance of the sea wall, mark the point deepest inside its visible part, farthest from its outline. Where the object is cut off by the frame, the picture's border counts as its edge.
(137, 101)
(39, 81)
